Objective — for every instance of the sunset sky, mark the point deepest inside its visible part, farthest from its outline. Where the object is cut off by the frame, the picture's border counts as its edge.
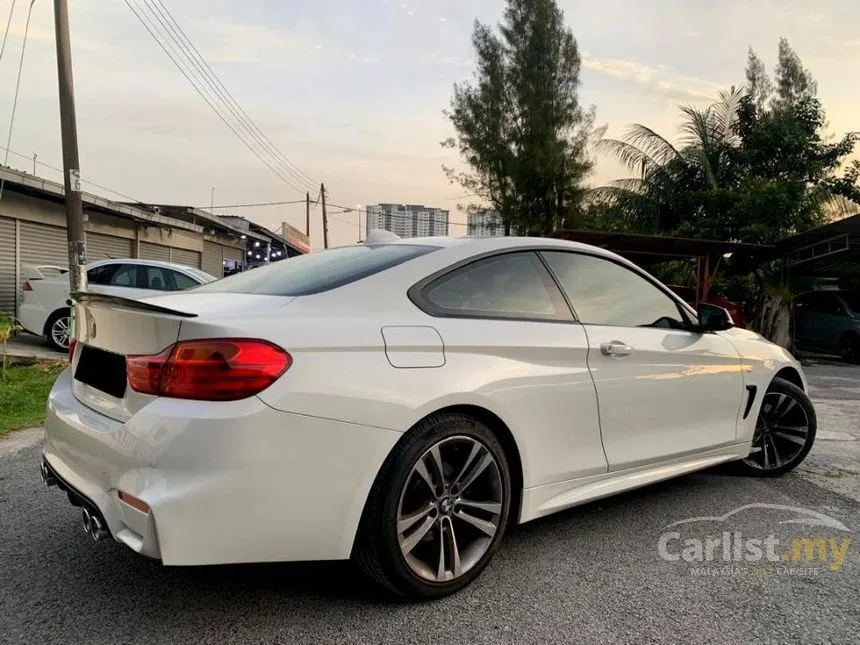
(353, 92)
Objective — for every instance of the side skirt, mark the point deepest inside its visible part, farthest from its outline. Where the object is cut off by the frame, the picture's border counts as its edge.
(551, 498)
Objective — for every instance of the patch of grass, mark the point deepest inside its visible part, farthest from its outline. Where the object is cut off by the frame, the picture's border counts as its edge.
(23, 394)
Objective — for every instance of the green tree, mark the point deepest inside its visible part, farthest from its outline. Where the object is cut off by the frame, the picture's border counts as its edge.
(520, 128)
(675, 184)
(753, 166)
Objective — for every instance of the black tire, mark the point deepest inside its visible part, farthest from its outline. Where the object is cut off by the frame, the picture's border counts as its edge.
(53, 320)
(377, 550)
(849, 348)
(801, 410)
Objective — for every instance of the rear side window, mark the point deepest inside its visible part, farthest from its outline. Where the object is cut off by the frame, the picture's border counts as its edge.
(116, 275)
(182, 281)
(317, 272)
(513, 285)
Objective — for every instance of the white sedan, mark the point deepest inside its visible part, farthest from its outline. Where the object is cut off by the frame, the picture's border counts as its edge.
(43, 309)
(402, 404)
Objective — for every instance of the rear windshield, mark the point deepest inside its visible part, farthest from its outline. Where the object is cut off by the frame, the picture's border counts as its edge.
(317, 272)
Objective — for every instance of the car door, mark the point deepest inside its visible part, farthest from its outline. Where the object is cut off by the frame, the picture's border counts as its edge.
(116, 279)
(509, 338)
(663, 390)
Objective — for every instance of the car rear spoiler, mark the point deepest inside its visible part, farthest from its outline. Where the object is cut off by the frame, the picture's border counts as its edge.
(124, 303)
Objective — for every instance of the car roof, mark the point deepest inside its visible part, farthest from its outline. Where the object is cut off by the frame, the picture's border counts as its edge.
(483, 244)
(154, 263)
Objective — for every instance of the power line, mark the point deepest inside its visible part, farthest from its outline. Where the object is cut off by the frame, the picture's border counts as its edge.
(83, 180)
(255, 204)
(152, 28)
(377, 211)
(17, 87)
(193, 54)
(8, 24)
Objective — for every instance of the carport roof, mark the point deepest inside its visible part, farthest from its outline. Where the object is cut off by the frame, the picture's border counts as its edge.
(831, 250)
(659, 248)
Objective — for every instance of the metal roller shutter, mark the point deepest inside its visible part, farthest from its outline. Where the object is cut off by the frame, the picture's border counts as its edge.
(183, 256)
(149, 251)
(213, 259)
(43, 244)
(106, 247)
(236, 255)
(8, 288)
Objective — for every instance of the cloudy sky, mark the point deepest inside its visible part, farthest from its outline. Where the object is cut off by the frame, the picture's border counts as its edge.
(352, 90)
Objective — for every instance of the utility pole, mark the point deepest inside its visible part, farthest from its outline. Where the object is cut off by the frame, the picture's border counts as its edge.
(308, 215)
(212, 201)
(71, 162)
(325, 217)
(358, 215)
(35, 156)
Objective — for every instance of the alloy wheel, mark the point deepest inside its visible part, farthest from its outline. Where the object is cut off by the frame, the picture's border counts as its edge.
(781, 433)
(450, 508)
(60, 332)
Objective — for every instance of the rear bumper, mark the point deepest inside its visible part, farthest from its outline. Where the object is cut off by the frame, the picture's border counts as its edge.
(32, 318)
(225, 482)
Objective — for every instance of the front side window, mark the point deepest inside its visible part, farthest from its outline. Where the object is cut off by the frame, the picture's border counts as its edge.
(603, 292)
(514, 285)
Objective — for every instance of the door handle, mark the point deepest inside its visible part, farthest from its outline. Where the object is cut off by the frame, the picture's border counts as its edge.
(616, 349)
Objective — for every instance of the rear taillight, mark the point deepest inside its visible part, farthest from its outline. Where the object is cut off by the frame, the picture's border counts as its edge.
(208, 370)
(26, 287)
(72, 344)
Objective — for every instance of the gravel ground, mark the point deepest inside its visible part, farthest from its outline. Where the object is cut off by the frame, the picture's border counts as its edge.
(592, 574)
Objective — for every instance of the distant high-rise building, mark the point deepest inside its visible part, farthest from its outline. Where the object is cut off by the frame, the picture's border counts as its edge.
(407, 220)
(485, 224)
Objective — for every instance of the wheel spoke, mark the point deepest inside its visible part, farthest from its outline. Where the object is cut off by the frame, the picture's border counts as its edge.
(421, 469)
(764, 452)
(794, 434)
(476, 449)
(438, 467)
(487, 527)
(797, 431)
(405, 523)
(490, 507)
(786, 406)
(440, 569)
(775, 451)
(456, 568)
(412, 541)
(476, 470)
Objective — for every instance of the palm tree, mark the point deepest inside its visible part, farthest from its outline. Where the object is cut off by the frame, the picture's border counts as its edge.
(672, 181)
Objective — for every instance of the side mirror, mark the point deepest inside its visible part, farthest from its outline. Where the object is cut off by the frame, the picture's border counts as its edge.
(714, 318)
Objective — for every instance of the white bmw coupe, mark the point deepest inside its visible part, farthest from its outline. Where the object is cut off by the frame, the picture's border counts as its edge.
(402, 403)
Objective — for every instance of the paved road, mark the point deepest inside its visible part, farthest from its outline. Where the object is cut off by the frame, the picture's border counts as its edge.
(592, 574)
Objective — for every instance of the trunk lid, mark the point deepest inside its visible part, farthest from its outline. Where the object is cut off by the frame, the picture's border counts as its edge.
(109, 328)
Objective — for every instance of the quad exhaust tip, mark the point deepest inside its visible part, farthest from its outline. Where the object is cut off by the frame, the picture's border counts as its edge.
(93, 525)
(47, 477)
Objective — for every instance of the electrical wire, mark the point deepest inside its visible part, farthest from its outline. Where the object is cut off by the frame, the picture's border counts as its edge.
(85, 181)
(17, 89)
(152, 29)
(8, 24)
(377, 211)
(255, 204)
(229, 100)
